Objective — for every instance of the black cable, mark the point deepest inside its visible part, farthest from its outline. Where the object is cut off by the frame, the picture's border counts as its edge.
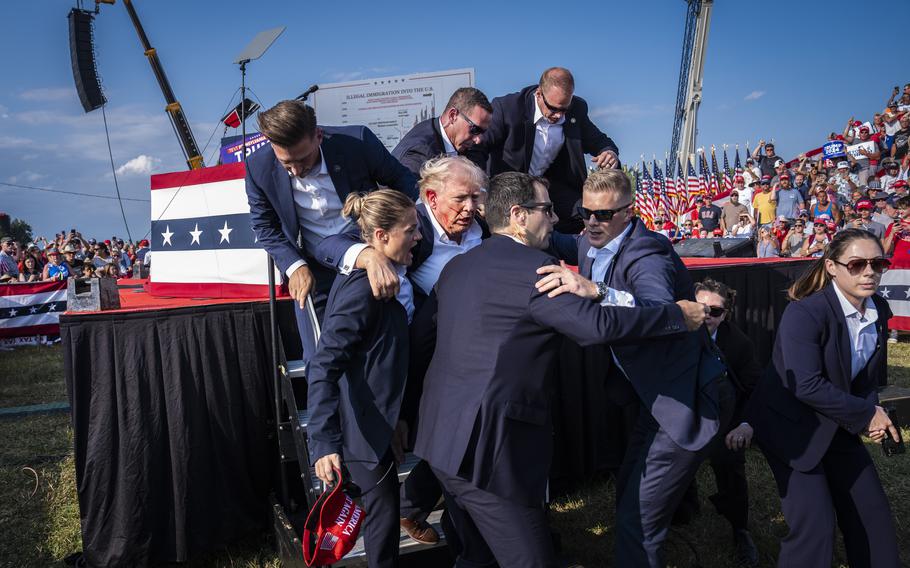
(114, 172)
(32, 187)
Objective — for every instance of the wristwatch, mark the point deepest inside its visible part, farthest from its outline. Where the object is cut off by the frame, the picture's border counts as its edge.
(601, 291)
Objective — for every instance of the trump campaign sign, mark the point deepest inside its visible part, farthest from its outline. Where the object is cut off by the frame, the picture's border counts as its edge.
(202, 244)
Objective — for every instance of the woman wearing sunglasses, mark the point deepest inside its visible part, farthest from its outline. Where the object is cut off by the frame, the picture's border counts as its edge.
(818, 396)
(357, 375)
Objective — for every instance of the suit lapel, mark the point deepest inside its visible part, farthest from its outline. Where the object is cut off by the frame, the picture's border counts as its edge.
(335, 163)
(440, 143)
(572, 143)
(622, 247)
(841, 337)
(424, 247)
(530, 129)
(287, 210)
(585, 262)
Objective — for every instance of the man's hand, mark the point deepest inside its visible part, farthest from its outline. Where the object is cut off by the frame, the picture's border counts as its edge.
(606, 159)
(560, 279)
(301, 284)
(380, 272)
(739, 437)
(880, 425)
(400, 441)
(326, 466)
(694, 313)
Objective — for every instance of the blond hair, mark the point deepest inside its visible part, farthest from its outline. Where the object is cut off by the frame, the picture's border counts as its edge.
(380, 209)
(608, 181)
(436, 172)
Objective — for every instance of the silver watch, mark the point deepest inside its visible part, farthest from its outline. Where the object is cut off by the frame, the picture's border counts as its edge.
(601, 291)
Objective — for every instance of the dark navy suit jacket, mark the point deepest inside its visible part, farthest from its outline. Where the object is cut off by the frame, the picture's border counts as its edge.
(807, 392)
(356, 160)
(421, 143)
(665, 372)
(357, 376)
(485, 411)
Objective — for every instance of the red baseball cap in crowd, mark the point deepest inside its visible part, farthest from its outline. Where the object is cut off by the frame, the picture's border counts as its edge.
(864, 204)
(766, 180)
(107, 241)
(738, 178)
(332, 526)
(899, 184)
(718, 232)
(144, 243)
(784, 176)
(864, 127)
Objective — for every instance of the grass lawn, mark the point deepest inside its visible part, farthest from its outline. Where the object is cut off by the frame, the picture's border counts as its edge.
(39, 515)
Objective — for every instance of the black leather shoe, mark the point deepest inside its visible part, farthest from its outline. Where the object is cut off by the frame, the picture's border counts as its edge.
(746, 554)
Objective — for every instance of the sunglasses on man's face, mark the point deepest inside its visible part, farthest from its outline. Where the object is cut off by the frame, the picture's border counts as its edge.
(856, 266)
(601, 215)
(473, 129)
(551, 108)
(545, 206)
(716, 311)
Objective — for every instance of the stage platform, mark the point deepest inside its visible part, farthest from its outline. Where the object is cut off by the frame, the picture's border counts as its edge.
(173, 396)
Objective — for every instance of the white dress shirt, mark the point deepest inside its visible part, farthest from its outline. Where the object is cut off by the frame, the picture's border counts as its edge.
(861, 327)
(318, 208)
(603, 257)
(548, 140)
(405, 295)
(446, 143)
(444, 249)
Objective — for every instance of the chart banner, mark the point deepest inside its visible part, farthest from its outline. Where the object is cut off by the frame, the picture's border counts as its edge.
(389, 106)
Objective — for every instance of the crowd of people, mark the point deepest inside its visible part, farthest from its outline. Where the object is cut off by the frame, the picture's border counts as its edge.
(68, 255)
(793, 209)
(444, 307)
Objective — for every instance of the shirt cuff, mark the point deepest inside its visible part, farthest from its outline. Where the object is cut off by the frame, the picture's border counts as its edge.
(350, 258)
(293, 268)
(618, 298)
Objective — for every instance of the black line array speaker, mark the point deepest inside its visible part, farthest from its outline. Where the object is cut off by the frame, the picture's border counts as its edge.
(82, 53)
(715, 248)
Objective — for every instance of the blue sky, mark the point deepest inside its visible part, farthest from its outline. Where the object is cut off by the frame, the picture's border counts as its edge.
(774, 69)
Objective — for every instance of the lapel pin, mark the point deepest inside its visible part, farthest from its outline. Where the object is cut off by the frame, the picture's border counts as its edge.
(572, 120)
(336, 168)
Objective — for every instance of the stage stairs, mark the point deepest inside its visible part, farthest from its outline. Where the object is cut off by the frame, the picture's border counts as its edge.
(304, 488)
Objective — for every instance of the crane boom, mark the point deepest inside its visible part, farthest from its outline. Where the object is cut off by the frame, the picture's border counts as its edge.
(691, 75)
(174, 109)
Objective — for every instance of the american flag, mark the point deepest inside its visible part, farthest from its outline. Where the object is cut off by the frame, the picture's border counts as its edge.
(650, 208)
(682, 190)
(31, 309)
(641, 199)
(694, 184)
(714, 189)
(670, 193)
(704, 173)
(660, 204)
(737, 165)
(728, 179)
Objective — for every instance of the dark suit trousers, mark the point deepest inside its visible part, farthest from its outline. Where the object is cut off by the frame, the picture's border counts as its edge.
(380, 531)
(519, 535)
(844, 487)
(651, 483)
(322, 285)
(732, 497)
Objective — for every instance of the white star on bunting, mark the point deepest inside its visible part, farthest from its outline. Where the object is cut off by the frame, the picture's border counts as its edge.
(884, 292)
(34, 310)
(907, 292)
(12, 313)
(196, 233)
(167, 234)
(51, 307)
(225, 233)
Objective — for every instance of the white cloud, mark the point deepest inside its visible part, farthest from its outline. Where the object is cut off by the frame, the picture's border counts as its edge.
(12, 142)
(754, 96)
(26, 177)
(625, 112)
(344, 76)
(48, 94)
(140, 165)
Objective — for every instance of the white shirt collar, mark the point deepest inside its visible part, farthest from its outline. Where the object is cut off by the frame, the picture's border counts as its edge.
(446, 143)
(849, 311)
(538, 116)
(611, 247)
(441, 236)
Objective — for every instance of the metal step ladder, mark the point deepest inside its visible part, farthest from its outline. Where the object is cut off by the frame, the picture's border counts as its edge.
(293, 446)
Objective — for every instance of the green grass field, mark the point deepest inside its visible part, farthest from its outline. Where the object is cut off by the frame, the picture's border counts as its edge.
(39, 515)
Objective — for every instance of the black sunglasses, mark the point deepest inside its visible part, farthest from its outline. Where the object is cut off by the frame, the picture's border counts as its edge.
(857, 265)
(601, 215)
(547, 206)
(716, 311)
(552, 108)
(473, 129)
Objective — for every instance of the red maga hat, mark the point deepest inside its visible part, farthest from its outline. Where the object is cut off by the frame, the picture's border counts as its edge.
(332, 526)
